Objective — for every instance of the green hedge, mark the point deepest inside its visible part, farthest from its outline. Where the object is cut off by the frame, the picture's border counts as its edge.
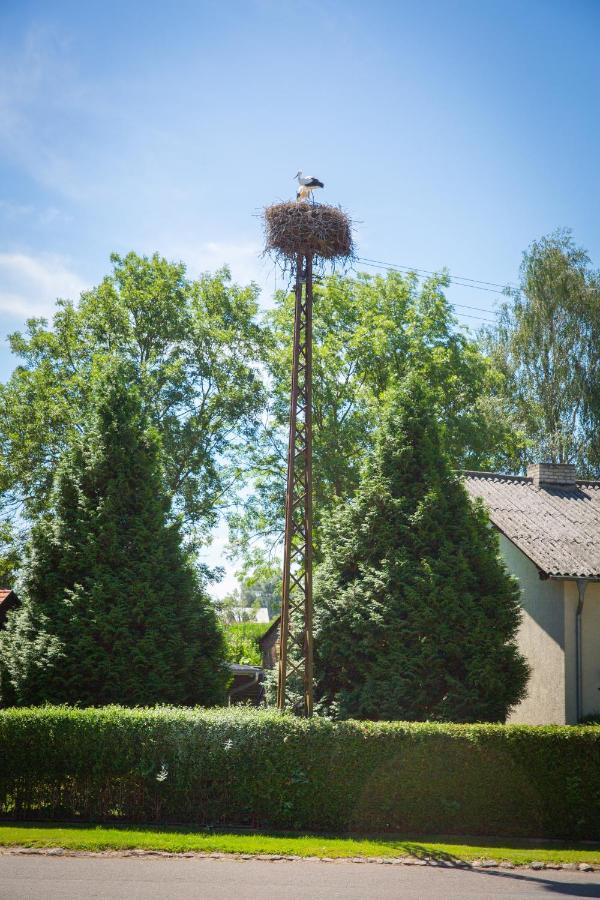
(258, 768)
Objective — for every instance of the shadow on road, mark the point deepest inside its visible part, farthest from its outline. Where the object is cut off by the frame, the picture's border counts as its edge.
(558, 888)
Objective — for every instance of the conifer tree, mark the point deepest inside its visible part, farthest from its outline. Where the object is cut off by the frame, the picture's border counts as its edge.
(113, 611)
(415, 613)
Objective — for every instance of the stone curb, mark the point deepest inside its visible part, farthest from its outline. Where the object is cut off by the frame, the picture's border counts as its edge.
(274, 857)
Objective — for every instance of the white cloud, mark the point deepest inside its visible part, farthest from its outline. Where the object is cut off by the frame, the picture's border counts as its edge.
(30, 285)
(243, 258)
(12, 211)
(32, 215)
(39, 86)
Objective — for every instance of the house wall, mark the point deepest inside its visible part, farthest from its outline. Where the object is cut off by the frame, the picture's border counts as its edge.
(541, 639)
(269, 647)
(590, 633)
(7, 606)
(590, 650)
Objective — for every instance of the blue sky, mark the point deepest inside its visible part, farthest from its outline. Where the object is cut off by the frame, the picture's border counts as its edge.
(453, 132)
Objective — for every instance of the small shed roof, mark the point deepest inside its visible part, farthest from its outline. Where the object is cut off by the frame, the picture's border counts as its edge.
(556, 527)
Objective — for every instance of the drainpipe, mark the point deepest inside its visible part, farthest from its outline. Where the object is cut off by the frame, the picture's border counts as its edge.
(581, 586)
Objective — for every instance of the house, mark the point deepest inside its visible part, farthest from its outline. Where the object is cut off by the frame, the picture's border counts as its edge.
(269, 645)
(549, 531)
(549, 527)
(247, 685)
(8, 602)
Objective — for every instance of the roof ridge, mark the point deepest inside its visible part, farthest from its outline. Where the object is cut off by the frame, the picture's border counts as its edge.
(479, 474)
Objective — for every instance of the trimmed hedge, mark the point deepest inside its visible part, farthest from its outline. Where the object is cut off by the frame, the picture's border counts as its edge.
(258, 768)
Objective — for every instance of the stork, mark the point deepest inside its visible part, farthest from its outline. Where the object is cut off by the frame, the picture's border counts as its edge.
(306, 185)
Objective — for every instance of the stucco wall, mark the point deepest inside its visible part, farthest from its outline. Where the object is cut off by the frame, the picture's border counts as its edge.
(590, 649)
(541, 639)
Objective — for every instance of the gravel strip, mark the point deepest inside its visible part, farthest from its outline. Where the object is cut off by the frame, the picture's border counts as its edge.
(273, 857)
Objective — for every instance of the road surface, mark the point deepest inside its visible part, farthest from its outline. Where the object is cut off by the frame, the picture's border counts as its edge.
(155, 878)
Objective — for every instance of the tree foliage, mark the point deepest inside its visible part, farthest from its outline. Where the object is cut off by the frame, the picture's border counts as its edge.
(194, 346)
(113, 610)
(547, 346)
(10, 554)
(415, 615)
(369, 332)
(241, 642)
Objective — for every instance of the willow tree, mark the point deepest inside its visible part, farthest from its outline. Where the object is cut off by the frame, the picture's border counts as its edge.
(547, 345)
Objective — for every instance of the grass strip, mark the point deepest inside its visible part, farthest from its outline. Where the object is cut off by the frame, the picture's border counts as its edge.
(175, 840)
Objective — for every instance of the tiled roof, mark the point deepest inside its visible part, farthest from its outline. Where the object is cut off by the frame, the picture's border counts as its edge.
(4, 594)
(558, 528)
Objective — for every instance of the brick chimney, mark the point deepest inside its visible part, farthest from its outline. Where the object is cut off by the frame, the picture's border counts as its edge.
(548, 475)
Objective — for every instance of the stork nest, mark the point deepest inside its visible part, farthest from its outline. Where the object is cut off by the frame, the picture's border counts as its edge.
(308, 228)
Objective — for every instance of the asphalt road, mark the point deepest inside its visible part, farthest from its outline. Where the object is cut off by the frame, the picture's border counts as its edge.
(117, 878)
(113, 878)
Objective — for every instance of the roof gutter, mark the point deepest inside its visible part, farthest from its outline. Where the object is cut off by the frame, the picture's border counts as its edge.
(586, 578)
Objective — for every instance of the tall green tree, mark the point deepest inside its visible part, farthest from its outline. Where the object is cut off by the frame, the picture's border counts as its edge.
(195, 347)
(369, 332)
(10, 554)
(415, 613)
(547, 346)
(113, 610)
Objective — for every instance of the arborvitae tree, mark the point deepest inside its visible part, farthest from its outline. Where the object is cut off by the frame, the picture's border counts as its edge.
(113, 610)
(416, 615)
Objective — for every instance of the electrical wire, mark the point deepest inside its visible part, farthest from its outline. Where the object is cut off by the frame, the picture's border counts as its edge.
(490, 312)
(406, 270)
(455, 278)
(479, 318)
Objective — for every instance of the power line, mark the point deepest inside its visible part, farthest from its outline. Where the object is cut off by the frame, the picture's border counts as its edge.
(479, 318)
(408, 269)
(457, 279)
(489, 312)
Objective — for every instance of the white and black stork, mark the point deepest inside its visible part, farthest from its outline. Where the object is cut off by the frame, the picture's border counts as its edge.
(306, 185)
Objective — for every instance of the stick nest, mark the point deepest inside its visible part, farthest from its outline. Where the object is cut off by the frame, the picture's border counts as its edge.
(308, 228)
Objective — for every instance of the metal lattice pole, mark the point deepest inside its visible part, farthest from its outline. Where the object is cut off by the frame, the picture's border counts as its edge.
(296, 648)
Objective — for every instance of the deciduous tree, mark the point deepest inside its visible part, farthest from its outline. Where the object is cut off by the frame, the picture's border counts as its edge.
(369, 332)
(547, 345)
(195, 346)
